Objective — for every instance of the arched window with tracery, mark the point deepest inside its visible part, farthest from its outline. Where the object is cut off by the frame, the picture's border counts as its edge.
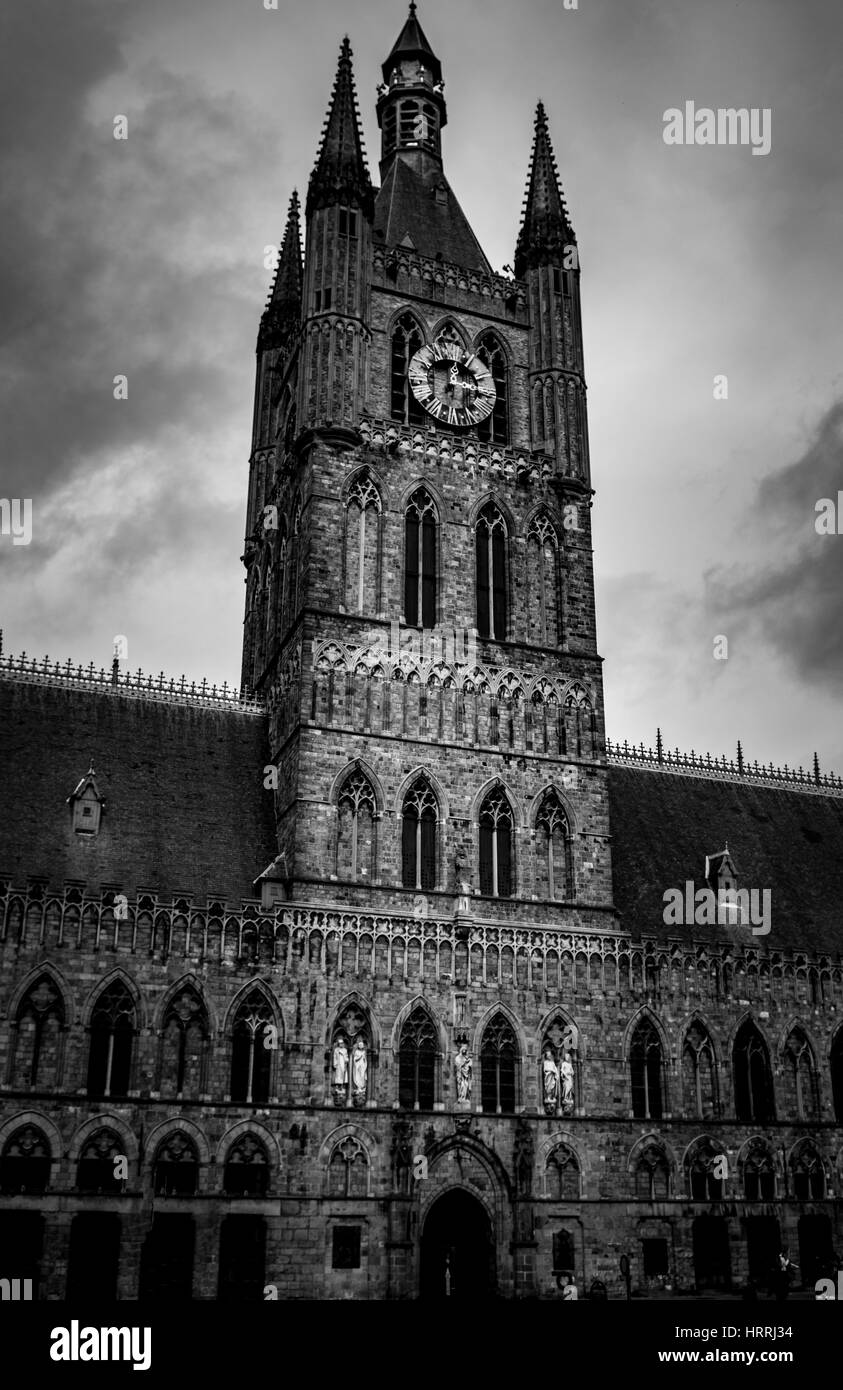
(417, 1053)
(406, 342)
(184, 1046)
(646, 1065)
(420, 561)
(246, 1172)
(800, 1064)
(562, 1174)
(419, 821)
(808, 1173)
(25, 1162)
(252, 1051)
(495, 428)
(112, 1042)
(492, 605)
(699, 1082)
(752, 1075)
(705, 1174)
(498, 1067)
(356, 809)
(554, 876)
(176, 1169)
(97, 1170)
(652, 1175)
(542, 583)
(759, 1173)
(362, 544)
(348, 1170)
(496, 857)
(37, 1037)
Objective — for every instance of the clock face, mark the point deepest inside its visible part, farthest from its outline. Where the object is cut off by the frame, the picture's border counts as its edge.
(454, 386)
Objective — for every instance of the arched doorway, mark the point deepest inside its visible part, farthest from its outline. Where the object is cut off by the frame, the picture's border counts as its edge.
(457, 1249)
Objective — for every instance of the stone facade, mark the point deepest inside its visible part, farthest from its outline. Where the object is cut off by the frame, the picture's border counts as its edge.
(241, 986)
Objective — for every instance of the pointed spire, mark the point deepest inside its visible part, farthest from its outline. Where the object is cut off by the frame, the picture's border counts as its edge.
(283, 307)
(412, 43)
(546, 227)
(340, 173)
(286, 289)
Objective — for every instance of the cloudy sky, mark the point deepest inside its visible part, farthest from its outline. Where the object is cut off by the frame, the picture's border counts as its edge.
(145, 257)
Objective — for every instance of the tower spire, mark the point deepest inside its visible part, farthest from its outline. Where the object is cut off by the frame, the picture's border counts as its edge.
(283, 307)
(546, 227)
(340, 173)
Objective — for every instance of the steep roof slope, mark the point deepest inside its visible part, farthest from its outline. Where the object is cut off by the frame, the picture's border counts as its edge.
(664, 824)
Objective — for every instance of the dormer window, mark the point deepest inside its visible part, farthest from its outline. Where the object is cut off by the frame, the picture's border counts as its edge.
(86, 806)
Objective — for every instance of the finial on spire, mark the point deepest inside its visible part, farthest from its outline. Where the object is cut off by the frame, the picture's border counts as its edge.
(412, 9)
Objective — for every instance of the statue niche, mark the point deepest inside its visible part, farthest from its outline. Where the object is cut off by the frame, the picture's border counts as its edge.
(558, 1068)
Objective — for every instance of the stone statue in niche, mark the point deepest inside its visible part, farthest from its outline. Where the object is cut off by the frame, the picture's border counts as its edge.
(550, 1082)
(523, 1154)
(339, 1063)
(359, 1071)
(462, 1068)
(566, 1077)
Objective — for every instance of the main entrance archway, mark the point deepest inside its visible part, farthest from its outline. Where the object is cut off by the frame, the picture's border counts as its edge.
(457, 1249)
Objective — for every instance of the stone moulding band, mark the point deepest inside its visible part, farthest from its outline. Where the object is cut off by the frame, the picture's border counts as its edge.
(552, 957)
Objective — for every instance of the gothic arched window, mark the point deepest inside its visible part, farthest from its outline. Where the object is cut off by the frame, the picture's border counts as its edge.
(251, 1057)
(112, 1041)
(698, 1073)
(420, 561)
(799, 1059)
(703, 1181)
(554, 878)
(96, 1170)
(183, 1046)
(491, 574)
(246, 1172)
(25, 1164)
(498, 1062)
(496, 876)
(406, 342)
(495, 428)
(808, 1172)
(38, 1033)
(348, 1170)
(652, 1175)
(837, 1074)
(542, 583)
(176, 1168)
(417, 1062)
(759, 1173)
(362, 532)
(753, 1078)
(356, 807)
(562, 1174)
(646, 1065)
(419, 820)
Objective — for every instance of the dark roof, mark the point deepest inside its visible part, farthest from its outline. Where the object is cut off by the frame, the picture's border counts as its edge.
(185, 809)
(407, 206)
(664, 824)
(412, 43)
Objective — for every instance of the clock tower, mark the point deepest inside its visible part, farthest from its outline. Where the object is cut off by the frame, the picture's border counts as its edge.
(420, 603)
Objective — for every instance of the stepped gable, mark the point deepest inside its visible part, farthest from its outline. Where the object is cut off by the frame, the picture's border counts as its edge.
(185, 808)
(421, 211)
(664, 824)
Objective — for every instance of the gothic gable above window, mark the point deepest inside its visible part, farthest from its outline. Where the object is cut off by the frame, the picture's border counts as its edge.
(86, 805)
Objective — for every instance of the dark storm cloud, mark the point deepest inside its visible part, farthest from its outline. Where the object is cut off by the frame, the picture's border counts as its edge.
(119, 256)
(794, 597)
